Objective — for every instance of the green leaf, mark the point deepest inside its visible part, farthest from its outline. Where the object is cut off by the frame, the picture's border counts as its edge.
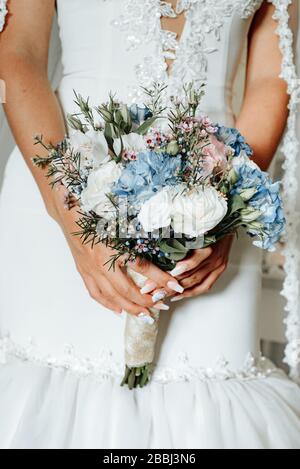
(210, 239)
(197, 243)
(172, 246)
(237, 203)
(176, 250)
(142, 130)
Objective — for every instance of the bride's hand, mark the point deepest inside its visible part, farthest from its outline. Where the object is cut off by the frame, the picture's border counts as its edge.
(200, 272)
(113, 288)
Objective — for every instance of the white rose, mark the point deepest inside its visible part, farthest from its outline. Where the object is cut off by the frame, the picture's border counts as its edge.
(198, 211)
(100, 183)
(92, 146)
(131, 142)
(157, 211)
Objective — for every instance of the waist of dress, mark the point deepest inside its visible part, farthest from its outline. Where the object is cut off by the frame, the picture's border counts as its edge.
(217, 101)
(105, 367)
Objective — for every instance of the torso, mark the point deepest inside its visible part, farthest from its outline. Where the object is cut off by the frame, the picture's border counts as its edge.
(132, 41)
(54, 309)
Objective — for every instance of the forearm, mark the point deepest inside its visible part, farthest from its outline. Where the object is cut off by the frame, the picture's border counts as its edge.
(32, 109)
(263, 117)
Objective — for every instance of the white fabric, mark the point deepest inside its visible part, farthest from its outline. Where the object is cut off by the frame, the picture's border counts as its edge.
(46, 306)
(290, 149)
(54, 409)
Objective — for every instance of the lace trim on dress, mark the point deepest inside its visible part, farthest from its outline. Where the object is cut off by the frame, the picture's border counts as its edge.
(141, 21)
(106, 367)
(290, 149)
(3, 13)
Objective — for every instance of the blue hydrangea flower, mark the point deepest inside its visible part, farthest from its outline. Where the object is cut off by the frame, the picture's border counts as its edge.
(234, 139)
(270, 223)
(145, 176)
(139, 114)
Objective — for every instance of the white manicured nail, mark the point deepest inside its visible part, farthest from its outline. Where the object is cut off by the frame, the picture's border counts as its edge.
(162, 307)
(177, 298)
(179, 270)
(146, 319)
(159, 295)
(175, 287)
(148, 288)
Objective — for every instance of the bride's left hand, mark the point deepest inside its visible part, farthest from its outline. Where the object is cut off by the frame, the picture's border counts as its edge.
(198, 276)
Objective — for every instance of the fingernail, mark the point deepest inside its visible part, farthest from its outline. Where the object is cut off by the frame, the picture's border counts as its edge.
(159, 295)
(175, 287)
(148, 288)
(162, 307)
(177, 298)
(179, 270)
(146, 318)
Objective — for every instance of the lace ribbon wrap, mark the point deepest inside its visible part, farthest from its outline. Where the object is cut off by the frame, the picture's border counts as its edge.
(290, 149)
(140, 337)
(3, 13)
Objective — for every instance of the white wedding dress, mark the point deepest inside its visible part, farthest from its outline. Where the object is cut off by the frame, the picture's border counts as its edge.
(61, 354)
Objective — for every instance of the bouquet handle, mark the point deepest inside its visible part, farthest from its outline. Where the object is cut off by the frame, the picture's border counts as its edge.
(140, 341)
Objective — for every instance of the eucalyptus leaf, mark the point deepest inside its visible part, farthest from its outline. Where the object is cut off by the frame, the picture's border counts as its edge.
(237, 203)
(142, 130)
(173, 246)
(210, 239)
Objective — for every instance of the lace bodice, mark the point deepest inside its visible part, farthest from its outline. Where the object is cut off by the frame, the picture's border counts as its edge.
(132, 45)
(202, 34)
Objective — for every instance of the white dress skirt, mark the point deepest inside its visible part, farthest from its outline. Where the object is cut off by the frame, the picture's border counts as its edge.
(61, 354)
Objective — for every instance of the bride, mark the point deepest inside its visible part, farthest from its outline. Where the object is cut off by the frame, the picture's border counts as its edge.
(61, 343)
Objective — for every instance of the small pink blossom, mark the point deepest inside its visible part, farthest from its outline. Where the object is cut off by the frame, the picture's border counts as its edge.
(129, 155)
(215, 156)
(208, 125)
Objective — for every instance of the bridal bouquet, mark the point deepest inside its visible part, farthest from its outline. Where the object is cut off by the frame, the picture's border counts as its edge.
(156, 183)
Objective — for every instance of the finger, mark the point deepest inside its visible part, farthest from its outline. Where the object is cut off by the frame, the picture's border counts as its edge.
(197, 277)
(161, 278)
(128, 289)
(124, 303)
(194, 261)
(149, 287)
(96, 295)
(204, 287)
(204, 265)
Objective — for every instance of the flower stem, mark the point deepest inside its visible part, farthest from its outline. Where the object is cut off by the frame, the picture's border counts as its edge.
(137, 376)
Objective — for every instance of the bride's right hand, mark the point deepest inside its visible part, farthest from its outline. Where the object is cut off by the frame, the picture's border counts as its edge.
(112, 288)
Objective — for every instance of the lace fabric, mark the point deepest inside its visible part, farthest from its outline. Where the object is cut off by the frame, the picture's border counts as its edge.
(105, 366)
(290, 149)
(142, 24)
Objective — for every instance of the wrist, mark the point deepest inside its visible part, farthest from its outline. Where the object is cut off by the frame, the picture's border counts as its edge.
(56, 206)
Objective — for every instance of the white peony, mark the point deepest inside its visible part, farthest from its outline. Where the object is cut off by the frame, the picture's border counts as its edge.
(157, 211)
(100, 182)
(92, 146)
(198, 211)
(131, 142)
(192, 213)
